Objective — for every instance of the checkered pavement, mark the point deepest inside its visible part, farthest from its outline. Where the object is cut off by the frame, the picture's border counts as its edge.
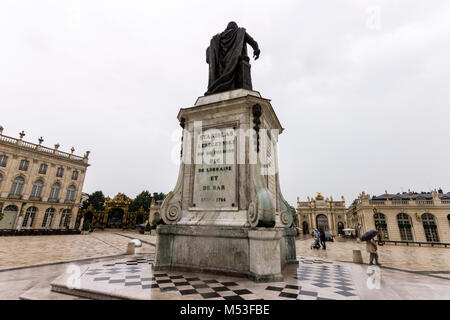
(314, 279)
(317, 278)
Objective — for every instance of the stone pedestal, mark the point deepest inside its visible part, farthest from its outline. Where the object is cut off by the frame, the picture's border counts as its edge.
(226, 213)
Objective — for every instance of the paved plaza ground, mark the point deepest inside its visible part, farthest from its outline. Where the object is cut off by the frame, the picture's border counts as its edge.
(29, 264)
(37, 250)
(428, 260)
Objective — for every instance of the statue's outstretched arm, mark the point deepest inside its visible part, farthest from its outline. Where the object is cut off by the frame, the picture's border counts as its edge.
(253, 44)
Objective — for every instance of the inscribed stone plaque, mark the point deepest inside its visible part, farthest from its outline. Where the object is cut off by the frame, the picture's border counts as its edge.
(215, 170)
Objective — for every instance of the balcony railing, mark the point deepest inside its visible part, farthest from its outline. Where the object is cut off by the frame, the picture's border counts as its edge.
(379, 202)
(424, 202)
(37, 147)
(399, 202)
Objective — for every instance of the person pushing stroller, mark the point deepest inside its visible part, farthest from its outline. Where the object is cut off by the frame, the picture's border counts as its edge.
(316, 242)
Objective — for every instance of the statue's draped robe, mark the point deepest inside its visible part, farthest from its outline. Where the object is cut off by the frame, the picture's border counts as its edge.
(224, 55)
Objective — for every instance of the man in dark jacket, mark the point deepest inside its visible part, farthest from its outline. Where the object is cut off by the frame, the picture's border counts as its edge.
(323, 239)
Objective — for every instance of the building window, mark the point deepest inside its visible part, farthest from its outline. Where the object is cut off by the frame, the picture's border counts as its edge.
(3, 160)
(322, 222)
(48, 218)
(75, 175)
(340, 227)
(305, 227)
(381, 226)
(404, 226)
(43, 168)
(65, 218)
(70, 193)
(11, 208)
(1, 179)
(448, 216)
(54, 192)
(16, 188)
(60, 172)
(23, 165)
(29, 217)
(37, 189)
(430, 228)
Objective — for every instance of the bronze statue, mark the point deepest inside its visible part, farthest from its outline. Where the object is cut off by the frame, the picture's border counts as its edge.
(229, 66)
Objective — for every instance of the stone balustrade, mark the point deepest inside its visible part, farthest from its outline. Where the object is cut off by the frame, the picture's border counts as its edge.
(39, 148)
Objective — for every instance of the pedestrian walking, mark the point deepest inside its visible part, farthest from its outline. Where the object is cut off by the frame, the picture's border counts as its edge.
(372, 249)
(322, 239)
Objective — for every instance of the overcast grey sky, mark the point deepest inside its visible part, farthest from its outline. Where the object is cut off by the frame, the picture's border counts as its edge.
(364, 97)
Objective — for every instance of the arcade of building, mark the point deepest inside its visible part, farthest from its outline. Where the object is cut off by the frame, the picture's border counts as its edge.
(407, 216)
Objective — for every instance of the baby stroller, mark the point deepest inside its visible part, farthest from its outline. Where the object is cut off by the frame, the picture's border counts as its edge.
(316, 243)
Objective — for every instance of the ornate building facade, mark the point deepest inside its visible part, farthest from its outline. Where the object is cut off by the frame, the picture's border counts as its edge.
(40, 187)
(328, 214)
(407, 216)
(117, 214)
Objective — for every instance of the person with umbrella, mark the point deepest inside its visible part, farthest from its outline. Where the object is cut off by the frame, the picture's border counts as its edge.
(371, 245)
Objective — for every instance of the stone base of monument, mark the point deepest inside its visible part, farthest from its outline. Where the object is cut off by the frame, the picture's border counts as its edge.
(258, 253)
(226, 213)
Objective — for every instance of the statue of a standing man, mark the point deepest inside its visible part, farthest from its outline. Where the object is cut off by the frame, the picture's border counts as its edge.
(229, 66)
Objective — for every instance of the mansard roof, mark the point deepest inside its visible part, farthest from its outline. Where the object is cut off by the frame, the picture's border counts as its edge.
(414, 196)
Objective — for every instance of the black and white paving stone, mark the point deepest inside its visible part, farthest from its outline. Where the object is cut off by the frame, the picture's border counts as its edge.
(313, 279)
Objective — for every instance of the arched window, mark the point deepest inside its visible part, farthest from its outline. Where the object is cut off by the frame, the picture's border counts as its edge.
(404, 226)
(380, 225)
(9, 217)
(322, 222)
(70, 193)
(340, 227)
(65, 218)
(37, 189)
(48, 218)
(305, 227)
(430, 228)
(11, 208)
(16, 188)
(54, 192)
(29, 217)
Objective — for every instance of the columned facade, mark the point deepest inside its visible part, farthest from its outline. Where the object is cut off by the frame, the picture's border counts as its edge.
(40, 187)
(328, 214)
(408, 216)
